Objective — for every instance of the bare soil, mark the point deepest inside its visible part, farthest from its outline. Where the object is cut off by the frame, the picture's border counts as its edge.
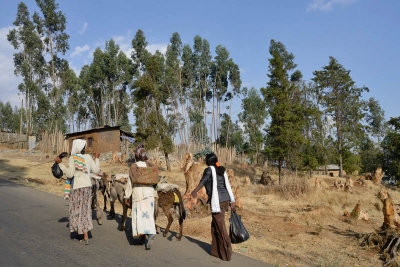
(308, 230)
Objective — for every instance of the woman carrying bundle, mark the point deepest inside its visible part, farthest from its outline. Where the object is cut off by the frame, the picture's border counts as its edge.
(80, 166)
(143, 203)
(220, 196)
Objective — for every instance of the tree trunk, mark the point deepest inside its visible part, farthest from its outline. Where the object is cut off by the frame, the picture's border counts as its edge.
(339, 136)
(20, 121)
(229, 122)
(213, 117)
(167, 161)
(280, 171)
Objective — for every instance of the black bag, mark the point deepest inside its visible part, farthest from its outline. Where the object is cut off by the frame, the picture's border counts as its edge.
(237, 231)
(56, 170)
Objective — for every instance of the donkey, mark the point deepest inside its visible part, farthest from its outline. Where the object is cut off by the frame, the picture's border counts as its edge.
(99, 185)
(166, 201)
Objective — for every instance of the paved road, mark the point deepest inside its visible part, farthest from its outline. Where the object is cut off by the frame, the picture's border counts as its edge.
(33, 232)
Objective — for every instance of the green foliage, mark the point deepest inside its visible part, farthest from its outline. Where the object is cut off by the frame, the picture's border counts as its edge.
(253, 116)
(375, 119)
(51, 25)
(370, 156)
(342, 102)
(391, 149)
(284, 134)
(105, 81)
(9, 118)
(202, 153)
(29, 63)
(351, 161)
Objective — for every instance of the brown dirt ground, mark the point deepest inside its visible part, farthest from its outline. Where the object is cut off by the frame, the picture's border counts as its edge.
(305, 231)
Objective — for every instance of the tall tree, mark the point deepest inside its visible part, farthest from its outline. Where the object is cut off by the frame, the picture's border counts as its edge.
(391, 149)
(106, 81)
(9, 118)
(343, 103)
(28, 60)
(51, 24)
(376, 119)
(253, 116)
(284, 134)
(150, 89)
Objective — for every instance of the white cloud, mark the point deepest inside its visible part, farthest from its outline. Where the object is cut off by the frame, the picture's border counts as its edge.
(162, 47)
(83, 29)
(327, 5)
(8, 81)
(125, 44)
(79, 50)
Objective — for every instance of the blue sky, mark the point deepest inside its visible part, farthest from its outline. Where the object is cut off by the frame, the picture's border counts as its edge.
(362, 34)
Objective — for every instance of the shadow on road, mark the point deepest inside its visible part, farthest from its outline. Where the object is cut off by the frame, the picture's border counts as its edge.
(205, 246)
(10, 172)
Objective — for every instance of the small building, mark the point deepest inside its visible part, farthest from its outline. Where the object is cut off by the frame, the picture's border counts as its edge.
(103, 139)
(331, 170)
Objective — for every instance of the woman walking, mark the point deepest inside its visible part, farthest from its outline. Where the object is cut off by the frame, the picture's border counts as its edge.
(220, 196)
(143, 203)
(80, 166)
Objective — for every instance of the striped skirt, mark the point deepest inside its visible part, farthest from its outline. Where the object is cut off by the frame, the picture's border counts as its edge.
(80, 212)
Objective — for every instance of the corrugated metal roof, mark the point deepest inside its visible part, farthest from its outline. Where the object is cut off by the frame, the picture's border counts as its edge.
(105, 128)
(330, 167)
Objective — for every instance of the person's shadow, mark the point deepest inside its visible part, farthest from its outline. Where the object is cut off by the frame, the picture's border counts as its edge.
(205, 246)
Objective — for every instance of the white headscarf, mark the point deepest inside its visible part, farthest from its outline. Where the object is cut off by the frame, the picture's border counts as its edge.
(77, 146)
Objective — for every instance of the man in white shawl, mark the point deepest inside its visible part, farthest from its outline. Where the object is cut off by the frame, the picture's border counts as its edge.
(220, 196)
(80, 165)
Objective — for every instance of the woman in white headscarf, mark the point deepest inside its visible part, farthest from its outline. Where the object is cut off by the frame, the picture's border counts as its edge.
(80, 166)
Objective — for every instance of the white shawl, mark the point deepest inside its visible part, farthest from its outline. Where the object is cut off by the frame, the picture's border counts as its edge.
(215, 208)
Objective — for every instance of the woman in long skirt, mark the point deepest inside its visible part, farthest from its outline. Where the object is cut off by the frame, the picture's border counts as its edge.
(143, 203)
(220, 196)
(80, 166)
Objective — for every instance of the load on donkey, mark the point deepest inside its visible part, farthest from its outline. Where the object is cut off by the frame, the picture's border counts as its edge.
(168, 195)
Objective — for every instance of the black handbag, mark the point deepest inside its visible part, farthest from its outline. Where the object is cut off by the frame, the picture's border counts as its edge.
(56, 170)
(237, 231)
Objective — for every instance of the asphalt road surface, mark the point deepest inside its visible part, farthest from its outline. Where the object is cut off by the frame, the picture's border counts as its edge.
(33, 232)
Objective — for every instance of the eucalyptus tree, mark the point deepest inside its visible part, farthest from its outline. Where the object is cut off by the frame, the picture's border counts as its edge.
(223, 72)
(253, 116)
(202, 59)
(343, 103)
(106, 81)
(28, 61)
(284, 134)
(70, 83)
(376, 119)
(51, 25)
(150, 90)
(174, 83)
(9, 118)
(391, 149)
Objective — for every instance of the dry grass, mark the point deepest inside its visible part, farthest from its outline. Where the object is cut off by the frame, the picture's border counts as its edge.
(294, 224)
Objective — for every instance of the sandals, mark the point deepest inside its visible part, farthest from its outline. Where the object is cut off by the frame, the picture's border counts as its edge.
(149, 242)
(83, 241)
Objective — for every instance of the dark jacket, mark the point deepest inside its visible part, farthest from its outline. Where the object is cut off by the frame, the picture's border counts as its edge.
(207, 181)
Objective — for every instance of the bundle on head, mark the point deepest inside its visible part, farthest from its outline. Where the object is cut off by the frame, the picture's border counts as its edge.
(212, 160)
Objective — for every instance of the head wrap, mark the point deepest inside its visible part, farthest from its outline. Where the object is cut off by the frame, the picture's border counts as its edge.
(77, 146)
